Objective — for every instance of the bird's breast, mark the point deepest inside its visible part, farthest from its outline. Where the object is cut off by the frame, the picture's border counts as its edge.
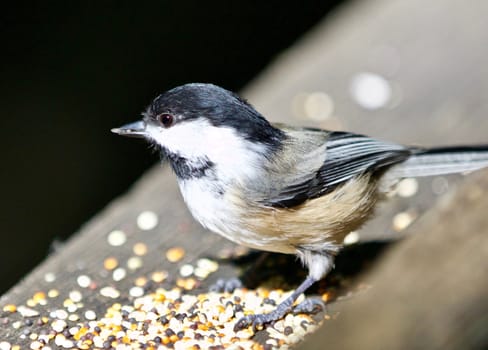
(225, 212)
(318, 224)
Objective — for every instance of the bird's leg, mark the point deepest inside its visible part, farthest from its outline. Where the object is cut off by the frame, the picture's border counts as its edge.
(309, 306)
(319, 264)
(281, 310)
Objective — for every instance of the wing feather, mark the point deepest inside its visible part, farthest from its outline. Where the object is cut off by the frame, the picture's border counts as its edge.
(347, 156)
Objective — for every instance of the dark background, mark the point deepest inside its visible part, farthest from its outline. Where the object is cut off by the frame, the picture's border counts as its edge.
(71, 71)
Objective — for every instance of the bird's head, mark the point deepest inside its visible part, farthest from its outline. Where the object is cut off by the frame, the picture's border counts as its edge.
(199, 126)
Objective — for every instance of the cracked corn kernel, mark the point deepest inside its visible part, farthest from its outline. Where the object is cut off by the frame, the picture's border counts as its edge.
(110, 263)
(139, 249)
(10, 308)
(159, 276)
(175, 254)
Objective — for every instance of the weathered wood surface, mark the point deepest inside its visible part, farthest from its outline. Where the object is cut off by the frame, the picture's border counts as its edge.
(434, 56)
(429, 291)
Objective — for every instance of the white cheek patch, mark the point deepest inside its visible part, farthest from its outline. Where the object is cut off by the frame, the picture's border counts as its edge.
(197, 139)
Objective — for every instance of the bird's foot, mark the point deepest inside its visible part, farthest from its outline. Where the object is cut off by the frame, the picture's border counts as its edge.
(259, 320)
(225, 285)
(309, 306)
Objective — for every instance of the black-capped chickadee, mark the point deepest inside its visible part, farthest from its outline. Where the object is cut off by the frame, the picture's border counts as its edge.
(276, 187)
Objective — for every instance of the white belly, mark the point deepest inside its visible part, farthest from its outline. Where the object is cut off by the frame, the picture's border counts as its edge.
(220, 214)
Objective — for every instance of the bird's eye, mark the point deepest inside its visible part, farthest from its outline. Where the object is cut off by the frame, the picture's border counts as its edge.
(166, 119)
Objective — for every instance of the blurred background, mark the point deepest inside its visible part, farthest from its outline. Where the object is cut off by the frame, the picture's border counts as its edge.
(69, 73)
(412, 72)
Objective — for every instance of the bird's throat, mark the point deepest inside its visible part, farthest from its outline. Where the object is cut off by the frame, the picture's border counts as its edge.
(186, 169)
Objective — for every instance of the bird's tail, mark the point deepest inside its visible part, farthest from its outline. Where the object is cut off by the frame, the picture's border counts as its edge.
(442, 161)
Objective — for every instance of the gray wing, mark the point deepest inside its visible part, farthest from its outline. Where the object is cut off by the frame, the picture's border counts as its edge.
(347, 156)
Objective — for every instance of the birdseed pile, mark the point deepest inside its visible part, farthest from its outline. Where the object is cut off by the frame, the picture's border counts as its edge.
(148, 313)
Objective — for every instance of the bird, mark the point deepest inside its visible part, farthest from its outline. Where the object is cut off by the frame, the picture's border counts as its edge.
(276, 187)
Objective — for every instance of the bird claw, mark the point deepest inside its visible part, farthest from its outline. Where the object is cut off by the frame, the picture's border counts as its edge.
(225, 285)
(309, 306)
(256, 321)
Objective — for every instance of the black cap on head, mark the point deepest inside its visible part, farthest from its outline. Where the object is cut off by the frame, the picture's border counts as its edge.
(220, 107)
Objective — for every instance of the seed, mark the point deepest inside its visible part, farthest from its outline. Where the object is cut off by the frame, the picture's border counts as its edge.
(53, 293)
(58, 325)
(402, 220)
(27, 312)
(116, 238)
(139, 249)
(110, 292)
(119, 274)
(136, 291)
(407, 187)
(134, 263)
(10, 308)
(76, 296)
(186, 270)
(83, 281)
(49, 277)
(175, 254)
(147, 220)
(208, 265)
(90, 315)
(110, 263)
(351, 238)
(288, 330)
(159, 276)
(39, 296)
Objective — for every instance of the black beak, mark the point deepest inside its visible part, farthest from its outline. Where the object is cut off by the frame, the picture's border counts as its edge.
(136, 129)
